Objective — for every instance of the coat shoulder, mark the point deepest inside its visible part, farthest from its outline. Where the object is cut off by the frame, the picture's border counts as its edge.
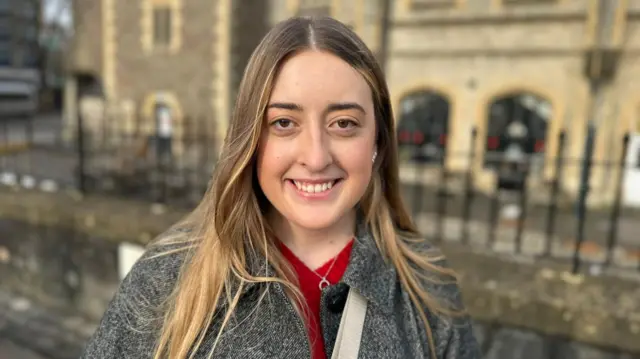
(155, 274)
(452, 327)
(135, 313)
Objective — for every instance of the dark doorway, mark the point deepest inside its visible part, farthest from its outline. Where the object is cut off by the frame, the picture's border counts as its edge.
(516, 138)
(517, 128)
(423, 127)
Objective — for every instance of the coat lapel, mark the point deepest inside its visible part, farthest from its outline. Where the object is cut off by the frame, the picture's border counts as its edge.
(266, 324)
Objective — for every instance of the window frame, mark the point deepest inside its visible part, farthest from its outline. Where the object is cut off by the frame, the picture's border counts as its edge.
(149, 39)
(162, 38)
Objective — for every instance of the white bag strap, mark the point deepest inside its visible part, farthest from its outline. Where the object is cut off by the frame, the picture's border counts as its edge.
(350, 330)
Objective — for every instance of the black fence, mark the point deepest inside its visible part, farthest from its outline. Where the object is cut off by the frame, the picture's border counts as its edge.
(520, 217)
(143, 164)
(541, 220)
(130, 161)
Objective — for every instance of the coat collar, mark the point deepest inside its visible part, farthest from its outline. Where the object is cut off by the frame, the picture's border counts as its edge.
(367, 271)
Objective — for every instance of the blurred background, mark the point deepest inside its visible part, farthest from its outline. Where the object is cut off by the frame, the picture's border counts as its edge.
(518, 123)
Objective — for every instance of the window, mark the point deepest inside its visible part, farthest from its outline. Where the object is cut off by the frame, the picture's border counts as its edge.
(5, 5)
(528, 2)
(427, 4)
(517, 128)
(5, 30)
(162, 23)
(28, 9)
(18, 55)
(30, 33)
(5, 53)
(162, 26)
(31, 57)
(423, 127)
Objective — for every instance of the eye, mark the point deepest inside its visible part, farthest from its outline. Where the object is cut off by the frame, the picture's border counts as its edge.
(345, 123)
(282, 123)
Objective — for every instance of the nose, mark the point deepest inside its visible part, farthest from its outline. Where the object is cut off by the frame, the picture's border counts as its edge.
(315, 151)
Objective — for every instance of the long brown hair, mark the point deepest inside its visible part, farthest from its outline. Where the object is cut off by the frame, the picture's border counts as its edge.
(228, 228)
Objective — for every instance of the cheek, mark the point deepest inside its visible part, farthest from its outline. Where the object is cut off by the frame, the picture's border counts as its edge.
(358, 163)
(270, 161)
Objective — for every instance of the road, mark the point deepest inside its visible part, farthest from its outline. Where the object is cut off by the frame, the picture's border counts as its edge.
(29, 330)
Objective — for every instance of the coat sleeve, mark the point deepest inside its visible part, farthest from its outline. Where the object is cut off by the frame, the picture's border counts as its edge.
(459, 336)
(462, 344)
(129, 326)
(453, 334)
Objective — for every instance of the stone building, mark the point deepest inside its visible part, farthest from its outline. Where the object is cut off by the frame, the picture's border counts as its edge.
(133, 60)
(20, 75)
(518, 71)
(479, 60)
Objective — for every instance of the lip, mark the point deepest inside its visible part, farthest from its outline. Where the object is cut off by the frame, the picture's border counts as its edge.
(317, 195)
(315, 181)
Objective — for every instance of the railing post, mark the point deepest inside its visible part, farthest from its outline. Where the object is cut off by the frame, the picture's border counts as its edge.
(81, 175)
(555, 191)
(523, 211)
(468, 193)
(585, 178)
(441, 193)
(417, 189)
(615, 211)
(493, 218)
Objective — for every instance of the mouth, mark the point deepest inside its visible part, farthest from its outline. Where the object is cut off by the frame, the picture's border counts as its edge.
(314, 188)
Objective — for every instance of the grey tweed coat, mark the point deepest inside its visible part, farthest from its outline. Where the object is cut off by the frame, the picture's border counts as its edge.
(392, 327)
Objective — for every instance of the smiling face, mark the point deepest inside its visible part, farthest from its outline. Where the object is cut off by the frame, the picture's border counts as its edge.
(315, 156)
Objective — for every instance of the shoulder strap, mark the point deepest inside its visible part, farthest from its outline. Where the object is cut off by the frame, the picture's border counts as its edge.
(350, 331)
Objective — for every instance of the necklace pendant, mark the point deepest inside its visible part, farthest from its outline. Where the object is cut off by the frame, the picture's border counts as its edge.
(324, 283)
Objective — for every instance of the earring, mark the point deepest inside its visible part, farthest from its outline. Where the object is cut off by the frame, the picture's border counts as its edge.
(374, 156)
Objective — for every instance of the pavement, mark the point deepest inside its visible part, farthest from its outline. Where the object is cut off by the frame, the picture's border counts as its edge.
(9, 350)
(32, 331)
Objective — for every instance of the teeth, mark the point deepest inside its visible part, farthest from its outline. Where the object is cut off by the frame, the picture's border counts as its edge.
(313, 188)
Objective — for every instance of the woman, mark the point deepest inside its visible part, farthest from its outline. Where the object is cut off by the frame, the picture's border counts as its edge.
(304, 208)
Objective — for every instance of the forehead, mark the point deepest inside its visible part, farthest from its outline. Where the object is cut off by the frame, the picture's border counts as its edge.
(316, 76)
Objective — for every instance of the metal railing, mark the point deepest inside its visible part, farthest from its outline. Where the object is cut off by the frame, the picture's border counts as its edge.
(526, 212)
(529, 213)
(114, 160)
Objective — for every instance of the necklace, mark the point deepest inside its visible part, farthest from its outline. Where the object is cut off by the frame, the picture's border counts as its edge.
(323, 279)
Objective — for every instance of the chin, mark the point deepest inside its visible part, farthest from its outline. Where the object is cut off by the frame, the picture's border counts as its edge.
(315, 222)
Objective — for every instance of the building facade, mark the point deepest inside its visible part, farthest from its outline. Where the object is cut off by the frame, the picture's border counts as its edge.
(519, 72)
(19, 56)
(514, 69)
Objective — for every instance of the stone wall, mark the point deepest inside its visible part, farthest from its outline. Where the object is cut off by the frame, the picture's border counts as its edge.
(62, 251)
(184, 71)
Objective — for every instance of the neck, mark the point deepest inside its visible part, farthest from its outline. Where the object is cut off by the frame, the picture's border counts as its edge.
(314, 247)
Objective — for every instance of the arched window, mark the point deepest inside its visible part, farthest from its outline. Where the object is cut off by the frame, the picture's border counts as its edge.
(517, 128)
(423, 126)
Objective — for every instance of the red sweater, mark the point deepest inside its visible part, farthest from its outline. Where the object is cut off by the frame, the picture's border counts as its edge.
(309, 286)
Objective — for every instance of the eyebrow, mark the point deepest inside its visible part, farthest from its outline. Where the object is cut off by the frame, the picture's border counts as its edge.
(331, 108)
